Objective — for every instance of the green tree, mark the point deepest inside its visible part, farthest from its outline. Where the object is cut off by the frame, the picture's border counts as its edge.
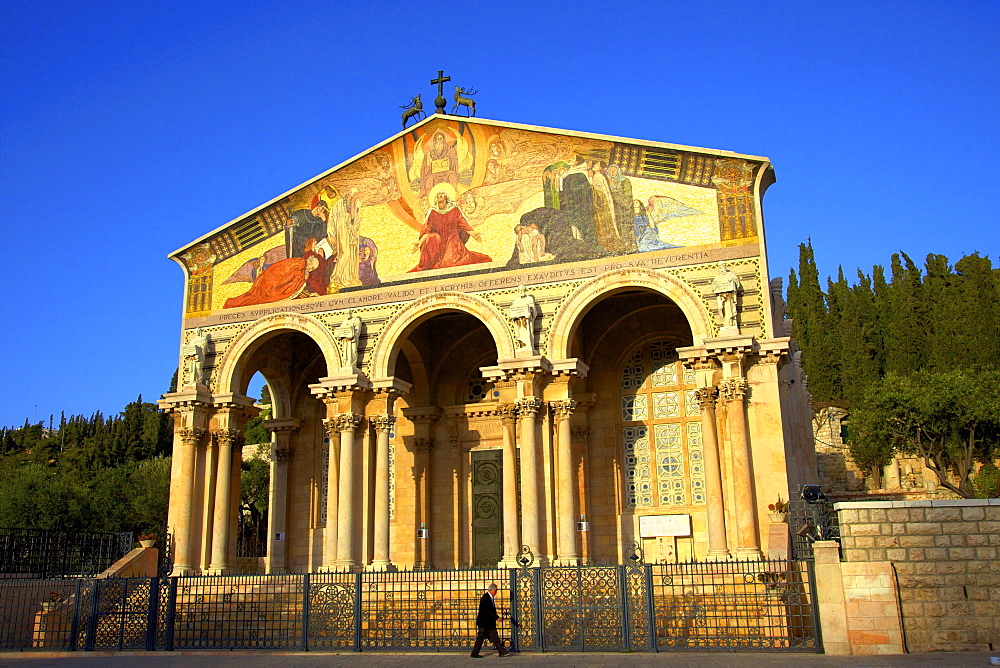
(949, 418)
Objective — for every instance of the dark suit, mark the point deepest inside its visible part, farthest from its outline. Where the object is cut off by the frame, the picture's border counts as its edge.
(486, 622)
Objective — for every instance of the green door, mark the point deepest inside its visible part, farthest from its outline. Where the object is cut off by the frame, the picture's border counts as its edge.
(487, 509)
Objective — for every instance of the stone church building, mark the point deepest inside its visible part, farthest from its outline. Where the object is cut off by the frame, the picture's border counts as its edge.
(484, 339)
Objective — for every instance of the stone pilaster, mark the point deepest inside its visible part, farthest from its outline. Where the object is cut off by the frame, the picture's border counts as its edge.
(347, 424)
(332, 495)
(184, 557)
(383, 426)
(565, 513)
(511, 529)
(527, 410)
(733, 392)
(718, 547)
(281, 455)
(222, 523)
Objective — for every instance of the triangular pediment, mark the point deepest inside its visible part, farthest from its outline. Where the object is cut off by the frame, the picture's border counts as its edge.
(453, 195)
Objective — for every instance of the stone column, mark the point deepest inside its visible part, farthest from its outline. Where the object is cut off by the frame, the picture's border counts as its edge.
(527, 409)
(733, 392)
(581, 446)
(422, 453)
(225, 438)
(565, 514)
(383, 425)
(718, 546)
(281, 455)
(183, 536)
(208, 502)
(348, 423)
(332, 495)
(511, 534)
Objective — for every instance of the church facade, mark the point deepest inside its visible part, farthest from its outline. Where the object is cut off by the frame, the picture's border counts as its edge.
(484, 339)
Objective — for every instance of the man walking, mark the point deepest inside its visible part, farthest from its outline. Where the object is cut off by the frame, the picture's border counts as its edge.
(486, 624)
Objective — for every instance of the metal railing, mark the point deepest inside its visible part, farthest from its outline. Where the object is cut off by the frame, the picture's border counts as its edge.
(810, 521)
(39, 553)
(751, 605)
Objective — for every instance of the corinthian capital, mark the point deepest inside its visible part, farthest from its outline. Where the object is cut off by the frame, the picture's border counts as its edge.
(528, 406)
(227, 436)
(348, 421)
(191, 435)
(707, 397)
(562, 410)
(734, 389)
(383, 423)
(507, 413)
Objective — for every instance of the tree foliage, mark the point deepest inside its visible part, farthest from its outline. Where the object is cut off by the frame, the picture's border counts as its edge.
(914, 358)
(89, 474)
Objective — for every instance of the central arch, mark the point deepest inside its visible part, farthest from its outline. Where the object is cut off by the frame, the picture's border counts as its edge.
(571, 314)
(386, 349)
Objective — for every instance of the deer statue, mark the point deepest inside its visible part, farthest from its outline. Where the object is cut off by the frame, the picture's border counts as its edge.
(414, 108)
(466, 102)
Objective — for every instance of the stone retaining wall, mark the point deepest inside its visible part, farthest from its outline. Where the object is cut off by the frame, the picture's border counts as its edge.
(946, 555)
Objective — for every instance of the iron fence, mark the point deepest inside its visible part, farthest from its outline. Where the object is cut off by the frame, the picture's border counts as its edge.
(810, 521)
(764, 605)
(41, 554)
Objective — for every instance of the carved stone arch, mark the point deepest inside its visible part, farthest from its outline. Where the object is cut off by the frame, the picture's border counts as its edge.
(576, 305)
(386, 349)
(230, 367)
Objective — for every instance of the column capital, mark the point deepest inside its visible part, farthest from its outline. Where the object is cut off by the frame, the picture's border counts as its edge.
(507, 413)
(347, 421)
(191, 435)
(528, 407)
(331, 426)
(563, 409)
(227, 437)
(282, 455)
(383, 423)
(734, 389)
(707, 396)
(580, 433)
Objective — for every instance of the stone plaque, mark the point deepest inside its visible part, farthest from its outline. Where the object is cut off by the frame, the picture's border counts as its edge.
(654, 526)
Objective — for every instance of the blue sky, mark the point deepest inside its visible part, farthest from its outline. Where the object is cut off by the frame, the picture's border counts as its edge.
(128, 129)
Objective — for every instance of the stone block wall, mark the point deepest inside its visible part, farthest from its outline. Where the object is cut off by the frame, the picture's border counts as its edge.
(946, 556)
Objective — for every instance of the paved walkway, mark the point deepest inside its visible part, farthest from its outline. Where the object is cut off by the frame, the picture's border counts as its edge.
(442, 660)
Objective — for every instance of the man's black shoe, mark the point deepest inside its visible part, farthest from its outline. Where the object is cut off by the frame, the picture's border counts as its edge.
(476, 656)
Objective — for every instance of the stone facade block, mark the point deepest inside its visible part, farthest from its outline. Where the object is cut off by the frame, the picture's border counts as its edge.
(917, 528)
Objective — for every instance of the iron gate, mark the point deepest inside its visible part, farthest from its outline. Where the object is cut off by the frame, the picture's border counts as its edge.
(727, 606)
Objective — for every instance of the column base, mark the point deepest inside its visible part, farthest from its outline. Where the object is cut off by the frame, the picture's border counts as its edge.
(348, 567)
(183, 571)
(217, 570)
(718, 555)
(749, 553)
(329, 568)
(381, 567)
(572, 560)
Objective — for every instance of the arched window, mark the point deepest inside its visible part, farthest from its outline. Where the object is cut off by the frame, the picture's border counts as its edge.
(661, 429)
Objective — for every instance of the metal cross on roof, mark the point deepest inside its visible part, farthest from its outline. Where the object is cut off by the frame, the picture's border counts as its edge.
(440, 101)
